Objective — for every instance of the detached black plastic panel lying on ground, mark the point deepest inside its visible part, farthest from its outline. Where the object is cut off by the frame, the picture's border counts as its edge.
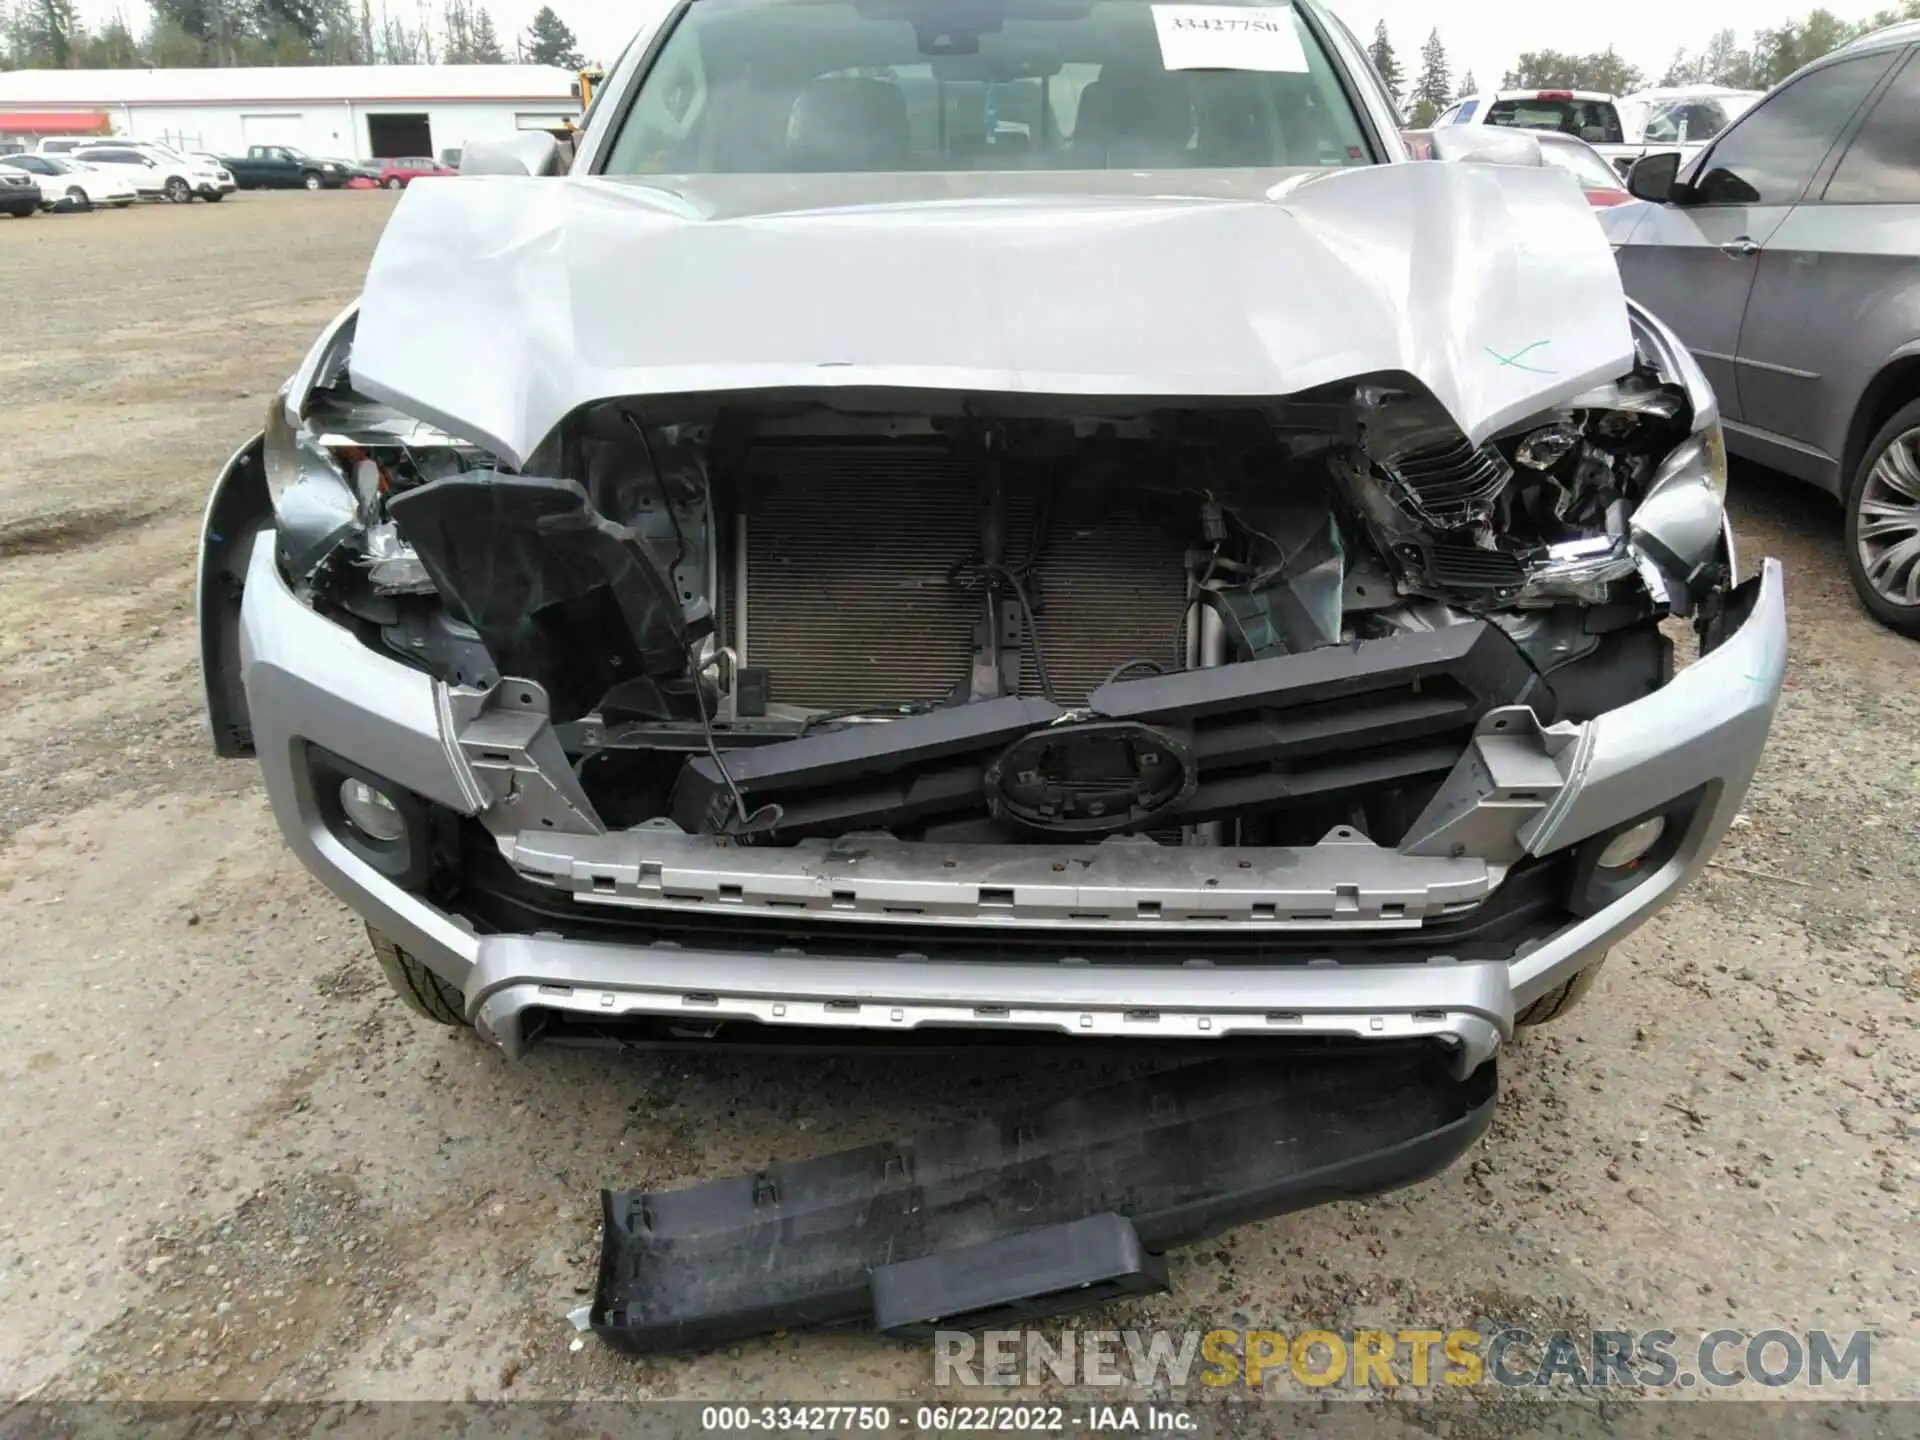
(988, 1221)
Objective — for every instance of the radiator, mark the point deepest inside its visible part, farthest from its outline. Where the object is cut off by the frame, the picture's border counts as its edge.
(848, 553)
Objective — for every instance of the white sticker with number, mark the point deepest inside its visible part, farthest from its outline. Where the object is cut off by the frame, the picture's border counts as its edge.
(1229, 37)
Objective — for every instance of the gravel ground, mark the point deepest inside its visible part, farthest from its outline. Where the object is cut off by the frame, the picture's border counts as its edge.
(237, 1169)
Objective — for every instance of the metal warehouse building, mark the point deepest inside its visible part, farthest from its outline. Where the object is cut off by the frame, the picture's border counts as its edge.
(346, 111)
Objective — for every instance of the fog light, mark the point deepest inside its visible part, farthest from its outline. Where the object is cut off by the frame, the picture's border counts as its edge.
(1626, 847)
(375, 816)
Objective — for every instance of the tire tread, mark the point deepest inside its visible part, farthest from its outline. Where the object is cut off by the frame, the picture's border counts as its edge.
(419, 989)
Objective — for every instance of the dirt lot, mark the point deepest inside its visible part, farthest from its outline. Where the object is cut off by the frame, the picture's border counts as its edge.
(236, 1168)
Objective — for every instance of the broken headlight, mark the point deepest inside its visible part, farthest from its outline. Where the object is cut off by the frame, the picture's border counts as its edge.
(332, 458)
(1613, 495)
(1676, 525)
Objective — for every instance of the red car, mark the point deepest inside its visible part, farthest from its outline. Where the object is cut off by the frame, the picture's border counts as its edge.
(398, 174)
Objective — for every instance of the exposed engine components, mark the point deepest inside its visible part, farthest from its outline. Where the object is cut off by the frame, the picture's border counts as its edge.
(780, 617)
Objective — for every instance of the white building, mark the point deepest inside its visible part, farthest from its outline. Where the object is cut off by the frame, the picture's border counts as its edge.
(345, 111)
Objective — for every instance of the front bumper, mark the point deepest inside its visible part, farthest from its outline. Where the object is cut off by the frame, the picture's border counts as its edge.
(310, 682)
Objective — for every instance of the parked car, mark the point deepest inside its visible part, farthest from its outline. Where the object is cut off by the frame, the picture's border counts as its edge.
(398, 174)
(19, 194)
(282, 167)
(67, 185)
(1585, 114)
(158, 172)
(1785, 257)
(1599, 181)
(67, 144)
(996, 586)
(1682, 118)
(1596, 178)
(451, 158)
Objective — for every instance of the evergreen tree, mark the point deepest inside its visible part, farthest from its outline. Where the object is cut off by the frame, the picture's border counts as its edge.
(1386, 64)
(550, 42)
(457, 22)
(1468, 86)
(1433, 90)
(486, 40)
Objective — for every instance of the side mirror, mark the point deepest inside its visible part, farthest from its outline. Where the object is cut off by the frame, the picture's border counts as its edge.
(1485, 145)
(533, 153)
(1652, 177)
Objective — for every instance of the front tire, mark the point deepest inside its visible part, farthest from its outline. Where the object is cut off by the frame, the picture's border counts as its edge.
(77, 198)
(1562, 998)
(419, 989)
(178, 191)
(1883, 524)
(394, 182)
(214, 197)
(312, 181)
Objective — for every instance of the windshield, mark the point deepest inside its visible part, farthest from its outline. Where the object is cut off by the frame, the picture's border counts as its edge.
(1594, 121)
(769, 86)
(1679, 121)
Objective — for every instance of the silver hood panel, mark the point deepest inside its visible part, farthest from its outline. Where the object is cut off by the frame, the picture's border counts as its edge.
(497, 305)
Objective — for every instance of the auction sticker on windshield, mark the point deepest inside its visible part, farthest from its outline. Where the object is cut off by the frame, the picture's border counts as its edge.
(1229, 37)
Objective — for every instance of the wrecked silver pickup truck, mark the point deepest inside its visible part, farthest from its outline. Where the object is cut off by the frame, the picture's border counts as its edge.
(1020, 515)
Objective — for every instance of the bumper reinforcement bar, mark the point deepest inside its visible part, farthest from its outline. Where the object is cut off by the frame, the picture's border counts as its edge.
(1045, 1209)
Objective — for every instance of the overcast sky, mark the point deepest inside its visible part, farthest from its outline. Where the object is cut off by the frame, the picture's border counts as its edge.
(1484, 36)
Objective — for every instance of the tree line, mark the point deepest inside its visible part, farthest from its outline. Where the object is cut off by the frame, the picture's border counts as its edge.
(49, 34)
(1772, 55)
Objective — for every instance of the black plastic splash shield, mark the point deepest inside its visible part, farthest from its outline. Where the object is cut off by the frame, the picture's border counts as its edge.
(1182, 1154)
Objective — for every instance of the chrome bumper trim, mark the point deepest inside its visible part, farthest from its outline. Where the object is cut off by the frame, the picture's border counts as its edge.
(1344, 883)
(1465, 1005)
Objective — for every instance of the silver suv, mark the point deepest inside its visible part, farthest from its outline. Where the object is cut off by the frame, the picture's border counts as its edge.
(1787, 258)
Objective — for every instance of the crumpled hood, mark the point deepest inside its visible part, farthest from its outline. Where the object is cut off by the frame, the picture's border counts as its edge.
(497, 305)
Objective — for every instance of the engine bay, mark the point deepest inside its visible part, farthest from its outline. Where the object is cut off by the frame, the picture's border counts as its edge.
(775, 617)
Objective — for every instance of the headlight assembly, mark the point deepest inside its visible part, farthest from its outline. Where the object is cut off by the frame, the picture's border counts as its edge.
(314, 508)
(332, 458)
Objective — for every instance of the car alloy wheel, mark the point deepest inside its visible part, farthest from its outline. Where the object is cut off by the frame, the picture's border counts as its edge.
(179, 192)
(77, 198)
(394, 182)
(1887, 535)
(312, 182)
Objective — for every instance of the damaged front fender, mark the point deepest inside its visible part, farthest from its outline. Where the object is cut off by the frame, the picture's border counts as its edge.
(238, 511)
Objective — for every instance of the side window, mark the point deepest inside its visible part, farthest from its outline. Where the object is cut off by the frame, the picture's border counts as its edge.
(1598, 123)
(1882, 166)
(1770, 156)
(1446, 117)
(1467, 110)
